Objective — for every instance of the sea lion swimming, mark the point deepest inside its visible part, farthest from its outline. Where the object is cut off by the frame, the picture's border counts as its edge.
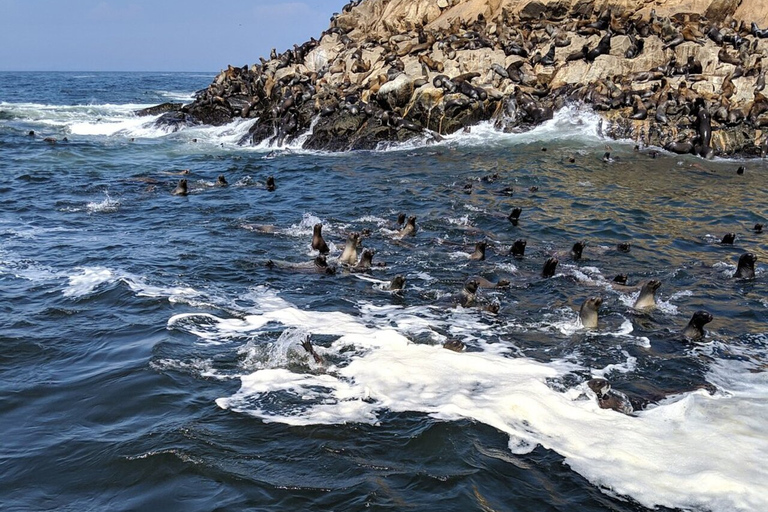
(746, 266)
(181, 189)
(318, 242)
(455, 345)
(549, 267)
(608, 398)
(577, 249)
(479, 254)
(366, 261)
(728, 239)
(623, 247)
(270, 186)
(695, 328)
(307, 344)
(349, 254)
(469, 293)
(397, 284)
(409, 229)
(588, 312)
(518, 248)
(515, 216)
(221, 181)
(486, 283)
(319, 265)
(647, 297)
(758, 228)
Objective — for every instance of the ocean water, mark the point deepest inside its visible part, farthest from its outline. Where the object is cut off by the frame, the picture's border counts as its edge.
(151, 360)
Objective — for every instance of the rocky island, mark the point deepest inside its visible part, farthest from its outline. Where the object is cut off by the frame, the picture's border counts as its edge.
(683, 75)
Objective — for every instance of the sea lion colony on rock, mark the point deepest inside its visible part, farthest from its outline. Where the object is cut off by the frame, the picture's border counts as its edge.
(685, 83)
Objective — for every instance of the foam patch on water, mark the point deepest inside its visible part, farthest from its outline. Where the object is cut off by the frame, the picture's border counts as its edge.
(87, 280)
(692, 451)
(108, 205)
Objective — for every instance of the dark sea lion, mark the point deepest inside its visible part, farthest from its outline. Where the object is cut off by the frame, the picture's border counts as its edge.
(50, 140)
(181, 189)
(623, 247)
(455, 345)
(318, 242)
(639, 112)
(349, 254)
(608, 398)
(740, 170)
(746, 266)
(728, 239)
(271, 184)
(704, 129)
(549, 267)
(31, 133)
(479, 254)
(695, 328)
(469, 293)
(620, 279)
(578, 249)
(319, 265)
(518, 248)
(221, 181)
(307, 344)
(515, 216)
(409, 229)
(758, 228)
(588, 312)
(397, 284)
(647, 297)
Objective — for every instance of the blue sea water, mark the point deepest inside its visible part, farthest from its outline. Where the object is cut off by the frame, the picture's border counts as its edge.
(152, 360)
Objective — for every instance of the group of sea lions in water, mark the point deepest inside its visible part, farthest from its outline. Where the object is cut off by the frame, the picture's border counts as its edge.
(370, 90)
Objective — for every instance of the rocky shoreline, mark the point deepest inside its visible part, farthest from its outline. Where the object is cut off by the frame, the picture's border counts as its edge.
(686, 76)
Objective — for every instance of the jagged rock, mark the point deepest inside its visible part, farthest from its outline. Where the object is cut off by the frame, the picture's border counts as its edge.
(159, 109)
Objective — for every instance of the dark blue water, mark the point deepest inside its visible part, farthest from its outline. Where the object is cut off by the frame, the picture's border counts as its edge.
(152, 360)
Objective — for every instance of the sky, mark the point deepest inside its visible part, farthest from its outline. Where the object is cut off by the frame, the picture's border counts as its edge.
(153, 35)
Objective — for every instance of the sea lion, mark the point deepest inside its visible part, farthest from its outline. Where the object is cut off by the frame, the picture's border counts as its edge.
(469, 293)
(549, 267)
(608, 398)
(620, 279)
(728, 239)
(518, 248)
(623, 247)
(647, 297)
(366, 261)
(758, 228)
(318, 242)
(695, 328)
(577, 250)
(746, 266)
(740, 170)
(397, 284)
(486, 283)
(455, 345)
(181, 189)
(704, 129)
(221, 181)
(479, 254)
(307, 344)
(349, 254)
(270, 186)
(409, 229)
(319, 265)
(588, 312)
(514, 216)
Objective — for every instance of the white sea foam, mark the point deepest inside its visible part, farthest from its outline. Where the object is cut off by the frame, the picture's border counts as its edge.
(692, 451)
(87, 280)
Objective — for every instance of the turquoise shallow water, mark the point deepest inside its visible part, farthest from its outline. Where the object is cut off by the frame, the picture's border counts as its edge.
(151, 359)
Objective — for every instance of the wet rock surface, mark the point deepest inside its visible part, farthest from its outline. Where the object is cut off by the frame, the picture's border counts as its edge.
(687, 76)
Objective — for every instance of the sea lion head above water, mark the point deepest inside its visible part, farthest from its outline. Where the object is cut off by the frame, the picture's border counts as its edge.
(518, 248)
(728, 239)
(588, 312)
(270, 186)
(577, 249)
(409, 228)
(349, 255)
(647, 297)
(181, 189)
(695, 328)
(397, 284)
(318, 242)
(221, 181)
(608, 398)
(479, 254)
(514, 217)
(746, 266)
(549, 267)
